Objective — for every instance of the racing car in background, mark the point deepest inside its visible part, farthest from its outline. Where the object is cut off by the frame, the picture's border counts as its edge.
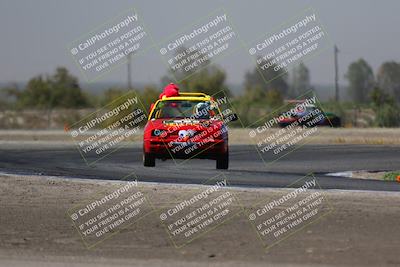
(309, 112)
(186, 125)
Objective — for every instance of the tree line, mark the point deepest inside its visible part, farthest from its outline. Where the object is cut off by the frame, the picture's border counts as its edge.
(380, 91)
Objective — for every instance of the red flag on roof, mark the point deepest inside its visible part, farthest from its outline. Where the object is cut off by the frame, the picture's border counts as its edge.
(170, 90)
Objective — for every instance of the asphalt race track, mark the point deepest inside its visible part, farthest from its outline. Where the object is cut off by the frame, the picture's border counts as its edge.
(246, 166)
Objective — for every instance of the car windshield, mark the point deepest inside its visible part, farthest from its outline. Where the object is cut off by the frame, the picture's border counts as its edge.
(180, 109)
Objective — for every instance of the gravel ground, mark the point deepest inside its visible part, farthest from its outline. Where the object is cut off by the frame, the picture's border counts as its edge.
(361, 230)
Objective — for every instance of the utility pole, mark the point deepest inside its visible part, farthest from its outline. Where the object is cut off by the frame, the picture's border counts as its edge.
(336, 51)
(129, 71)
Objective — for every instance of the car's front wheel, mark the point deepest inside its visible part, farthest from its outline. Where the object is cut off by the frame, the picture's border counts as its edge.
(223, 161)
(149, 160)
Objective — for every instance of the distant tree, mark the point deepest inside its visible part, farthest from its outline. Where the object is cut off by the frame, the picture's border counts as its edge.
(386, 108)
(209, 80)
(66, 91)
(388, 78)
(263, 91)
(380, 97)
(48, 92)
(255, 93)
(37, 94)
(274, 98)
(300, 80)
(361, 80)
(267, 79)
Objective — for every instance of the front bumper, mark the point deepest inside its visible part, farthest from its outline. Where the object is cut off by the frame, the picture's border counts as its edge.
(181, 150)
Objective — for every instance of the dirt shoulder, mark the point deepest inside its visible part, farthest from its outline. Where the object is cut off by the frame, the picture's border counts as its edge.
(361, 229)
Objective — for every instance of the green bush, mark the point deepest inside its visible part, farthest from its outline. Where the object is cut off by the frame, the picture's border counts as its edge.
(388, 115)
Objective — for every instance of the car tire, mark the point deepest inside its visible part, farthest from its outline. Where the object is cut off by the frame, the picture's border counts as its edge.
(223, 161)
(149, 160)
(283, 125)
(336, 122)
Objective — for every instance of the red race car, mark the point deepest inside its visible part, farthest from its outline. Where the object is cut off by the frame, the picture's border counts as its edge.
(186, 125)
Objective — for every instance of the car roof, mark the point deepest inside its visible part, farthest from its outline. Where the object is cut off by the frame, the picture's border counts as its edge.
(183, 96)
(193, 98)
(188, 96)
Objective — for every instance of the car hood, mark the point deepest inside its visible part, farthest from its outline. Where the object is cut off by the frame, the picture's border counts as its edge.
(183, 123)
